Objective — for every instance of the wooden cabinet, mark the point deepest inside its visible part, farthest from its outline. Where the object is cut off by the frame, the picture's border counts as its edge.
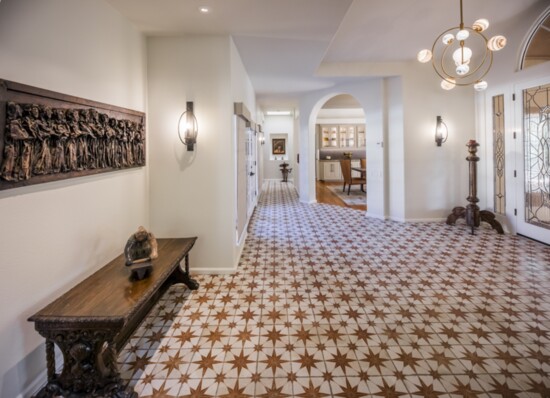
(329, 137)
(331, 171)
(361, 138)
(342, 136)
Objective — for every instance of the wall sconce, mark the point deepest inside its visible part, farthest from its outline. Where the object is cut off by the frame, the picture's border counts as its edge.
(188, 125)
(262, 139)
(441, 131)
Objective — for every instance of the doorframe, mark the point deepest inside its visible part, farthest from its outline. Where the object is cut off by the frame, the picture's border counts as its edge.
(519, 181)
(312, 139)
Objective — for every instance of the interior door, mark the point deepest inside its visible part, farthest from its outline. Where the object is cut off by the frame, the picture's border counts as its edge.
(533, 165)
(252, 171)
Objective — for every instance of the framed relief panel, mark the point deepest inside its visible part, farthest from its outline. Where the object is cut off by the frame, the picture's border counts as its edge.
(47, 136)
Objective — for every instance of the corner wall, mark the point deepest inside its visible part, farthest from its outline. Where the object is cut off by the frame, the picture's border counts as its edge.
(53, 235)
(435, 179)
(193, 193)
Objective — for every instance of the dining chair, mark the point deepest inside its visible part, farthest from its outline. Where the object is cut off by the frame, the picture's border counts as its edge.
(345, 165)
(363, 163)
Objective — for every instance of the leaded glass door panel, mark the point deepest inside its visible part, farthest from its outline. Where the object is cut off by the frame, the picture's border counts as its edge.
(534, 203)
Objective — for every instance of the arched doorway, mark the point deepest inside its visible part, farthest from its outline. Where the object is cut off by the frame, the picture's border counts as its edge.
(340, 135)
(370, 94)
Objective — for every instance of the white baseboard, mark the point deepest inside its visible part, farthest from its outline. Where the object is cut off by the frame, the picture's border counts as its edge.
(377, 216)
(213, 271)
(42, 378)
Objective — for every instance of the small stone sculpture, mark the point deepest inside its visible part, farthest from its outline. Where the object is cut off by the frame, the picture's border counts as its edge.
(140, 249)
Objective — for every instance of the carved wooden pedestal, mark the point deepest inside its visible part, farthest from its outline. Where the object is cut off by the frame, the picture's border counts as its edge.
(285, 170)
(91, 322)
(471, 213)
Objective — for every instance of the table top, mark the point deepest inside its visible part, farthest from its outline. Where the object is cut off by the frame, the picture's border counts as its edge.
(109, 294)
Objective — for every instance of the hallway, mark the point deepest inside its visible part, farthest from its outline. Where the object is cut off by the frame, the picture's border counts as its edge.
(327, 302)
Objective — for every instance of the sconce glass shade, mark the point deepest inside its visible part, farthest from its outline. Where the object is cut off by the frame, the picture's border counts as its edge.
(480, 25)
(496, 43)
(424, 56)
(448, 39)
(480, 85)
(441, 131)
(448, 84)
(188, 127)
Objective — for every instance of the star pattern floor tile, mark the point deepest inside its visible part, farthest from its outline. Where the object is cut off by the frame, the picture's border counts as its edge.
(329, 303)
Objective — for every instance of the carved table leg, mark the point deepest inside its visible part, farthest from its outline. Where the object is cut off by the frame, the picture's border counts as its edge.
(180, 276)
(489, 218)
(456, 213)
(89, 365)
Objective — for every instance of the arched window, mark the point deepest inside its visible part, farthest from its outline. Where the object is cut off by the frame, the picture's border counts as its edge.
(537, 48)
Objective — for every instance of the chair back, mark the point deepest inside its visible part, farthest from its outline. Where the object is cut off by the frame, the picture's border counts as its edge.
(345, 165)
(363, 163)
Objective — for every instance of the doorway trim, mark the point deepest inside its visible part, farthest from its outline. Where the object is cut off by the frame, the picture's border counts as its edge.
(370, 94)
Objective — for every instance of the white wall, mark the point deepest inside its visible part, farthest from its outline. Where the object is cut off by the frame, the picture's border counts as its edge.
(395, 148)
(278, 127)
(296, 145)
(241, 91)
(435, 178)
(193, 193)
(55, 234)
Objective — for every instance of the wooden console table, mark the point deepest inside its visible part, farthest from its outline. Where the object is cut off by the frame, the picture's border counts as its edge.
(91, 322)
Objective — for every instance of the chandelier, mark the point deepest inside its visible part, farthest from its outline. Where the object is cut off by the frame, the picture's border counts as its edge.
(462, 55)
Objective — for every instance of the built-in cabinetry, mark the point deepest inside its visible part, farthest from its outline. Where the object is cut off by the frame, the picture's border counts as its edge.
(329, 170)
(342, 136)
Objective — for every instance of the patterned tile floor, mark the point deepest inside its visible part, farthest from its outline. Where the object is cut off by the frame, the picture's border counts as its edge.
(328, 303)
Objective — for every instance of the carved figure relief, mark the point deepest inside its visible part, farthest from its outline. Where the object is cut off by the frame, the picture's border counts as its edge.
(41, 140)
(47, 136)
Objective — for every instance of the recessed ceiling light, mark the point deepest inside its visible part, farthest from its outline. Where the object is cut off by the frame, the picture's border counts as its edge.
(278, 113)
(204, 10)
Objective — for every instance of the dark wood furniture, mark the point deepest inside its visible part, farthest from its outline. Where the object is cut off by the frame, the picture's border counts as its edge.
(345, 164)
(471, 213)
(361, 170)
(91, 322)
(285, 170)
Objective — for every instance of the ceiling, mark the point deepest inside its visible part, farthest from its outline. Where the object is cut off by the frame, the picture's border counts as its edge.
(283, 42)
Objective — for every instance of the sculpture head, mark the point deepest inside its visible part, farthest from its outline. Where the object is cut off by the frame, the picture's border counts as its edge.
(59, 114)
(46, 112)
(14, 110)
(83, 114)
(94, 115)
(141, 235)
(103, 118)
(32, 110)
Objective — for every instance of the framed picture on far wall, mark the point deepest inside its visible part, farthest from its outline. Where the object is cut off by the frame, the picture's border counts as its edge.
(278, 146)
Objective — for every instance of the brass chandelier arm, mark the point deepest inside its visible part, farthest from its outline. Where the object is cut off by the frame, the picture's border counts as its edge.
(445, 75)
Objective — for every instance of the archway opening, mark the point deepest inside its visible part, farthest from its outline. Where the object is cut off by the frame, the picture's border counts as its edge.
(340, 152)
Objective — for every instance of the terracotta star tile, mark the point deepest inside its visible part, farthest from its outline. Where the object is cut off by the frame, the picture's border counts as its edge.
(325, 303)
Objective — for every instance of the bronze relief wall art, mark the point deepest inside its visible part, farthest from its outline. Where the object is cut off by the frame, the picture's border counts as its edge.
(47, 136)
